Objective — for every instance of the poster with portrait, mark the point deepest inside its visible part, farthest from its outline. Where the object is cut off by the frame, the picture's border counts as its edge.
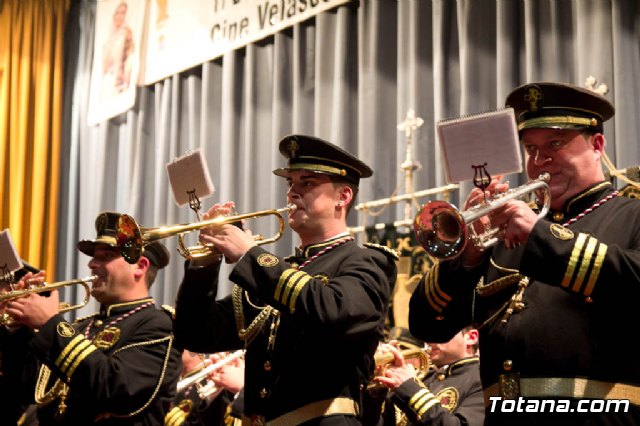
(116, 60)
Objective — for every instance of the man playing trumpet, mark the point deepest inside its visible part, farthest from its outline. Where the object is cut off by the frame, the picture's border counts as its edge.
(449, 393)
(118, 366)
(18, 366)
(552, 299)
(208, 400)
(310, 323)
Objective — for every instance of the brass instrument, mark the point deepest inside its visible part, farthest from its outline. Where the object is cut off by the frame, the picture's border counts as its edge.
(132, 238)
(6, 319)
(383, 360)
(209, 388)
(443, 230)
(421, 354)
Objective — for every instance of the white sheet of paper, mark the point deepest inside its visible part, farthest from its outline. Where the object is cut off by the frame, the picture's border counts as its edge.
(9, 259)
(190, 173)
(489, 138)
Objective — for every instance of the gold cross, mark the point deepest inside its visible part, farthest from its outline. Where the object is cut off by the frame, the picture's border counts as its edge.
(410, 123)
(293, 147)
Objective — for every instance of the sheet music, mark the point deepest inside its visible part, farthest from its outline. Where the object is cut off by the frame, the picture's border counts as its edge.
(190, 173)
(9, 259)
(489, 138)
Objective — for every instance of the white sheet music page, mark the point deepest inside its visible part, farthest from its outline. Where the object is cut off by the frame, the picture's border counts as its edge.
(9, 259)
(487, 139)
(190, 173)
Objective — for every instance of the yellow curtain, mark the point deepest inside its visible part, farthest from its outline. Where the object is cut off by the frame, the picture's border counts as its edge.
(31, 79)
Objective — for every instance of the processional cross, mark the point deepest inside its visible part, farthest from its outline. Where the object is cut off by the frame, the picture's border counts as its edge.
(408, 126)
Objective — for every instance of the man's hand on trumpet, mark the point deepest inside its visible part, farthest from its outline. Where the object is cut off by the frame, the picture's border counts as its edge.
(394, 374)
(229, 376)
(28, 280)
(228, 239)
(33, 310)
(516, 220)
(472, 255)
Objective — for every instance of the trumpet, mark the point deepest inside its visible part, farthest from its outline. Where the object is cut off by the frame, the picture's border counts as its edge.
(443, 231)
(210, 387)
(7, 320)
(383, 360)
(131, 238)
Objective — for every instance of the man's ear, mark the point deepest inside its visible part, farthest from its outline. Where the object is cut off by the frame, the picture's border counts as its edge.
(472, 337)
(346, 194)
(141, 267)
(598, 142)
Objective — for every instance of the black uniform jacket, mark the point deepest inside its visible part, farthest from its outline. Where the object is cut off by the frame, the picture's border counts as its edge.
(331, 319)
(18, 371)
(450, 396)
(581, 286)
(124, 373)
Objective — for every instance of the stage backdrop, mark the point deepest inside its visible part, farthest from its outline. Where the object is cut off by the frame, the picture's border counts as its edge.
(349, 75)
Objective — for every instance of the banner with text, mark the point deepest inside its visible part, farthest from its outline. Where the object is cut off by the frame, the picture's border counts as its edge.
(180, 36)
(143, 41)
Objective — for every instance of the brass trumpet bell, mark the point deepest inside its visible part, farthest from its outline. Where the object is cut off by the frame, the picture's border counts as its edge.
(6, 319)
(419, 354)
(131, 238)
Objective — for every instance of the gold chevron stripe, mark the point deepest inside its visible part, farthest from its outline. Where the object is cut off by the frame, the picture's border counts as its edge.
(79, 348)
(296, 292)
(79, 359)
(428, 406)
(289, 284)
(584, 265)
(573, 260)
(68, 348)
(595, 272)
(283, 278)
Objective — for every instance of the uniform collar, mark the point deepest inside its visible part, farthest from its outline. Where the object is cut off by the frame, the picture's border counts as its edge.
(118, 308)
(459, 363)
(578, 203)
(312, 249)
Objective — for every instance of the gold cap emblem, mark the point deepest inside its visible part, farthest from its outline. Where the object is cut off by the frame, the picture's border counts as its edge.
(292, 148)
(533, 96)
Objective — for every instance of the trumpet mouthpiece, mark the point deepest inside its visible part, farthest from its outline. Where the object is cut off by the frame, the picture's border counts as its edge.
(291, 208)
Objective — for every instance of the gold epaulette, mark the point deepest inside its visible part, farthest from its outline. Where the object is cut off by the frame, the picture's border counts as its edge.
(78, 320)
(631, 191)
(170, 310)
(179, 413)
(384, 249)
